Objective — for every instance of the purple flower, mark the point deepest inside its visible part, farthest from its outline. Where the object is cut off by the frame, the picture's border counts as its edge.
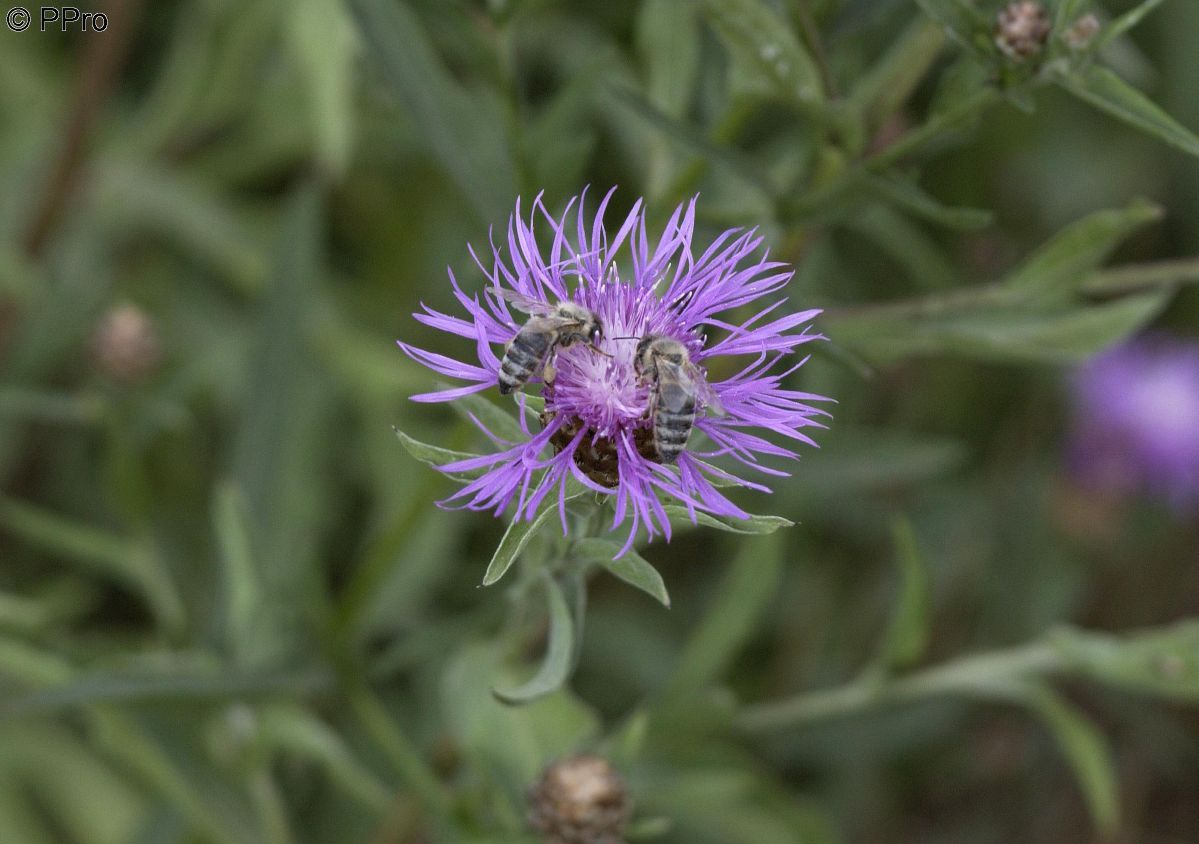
(1137, 419)
(595, 426)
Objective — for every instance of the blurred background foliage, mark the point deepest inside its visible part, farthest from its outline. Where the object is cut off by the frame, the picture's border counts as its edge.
(229, 611)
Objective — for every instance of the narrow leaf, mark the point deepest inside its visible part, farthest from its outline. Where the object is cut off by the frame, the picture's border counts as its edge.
(908, 634)
(1125, 22)
(679, 515)
(1064, 263)
(322, 41)
(556, 666)
(242, 588)
(517, 536)
(1108, 92)
(911, 197)
(631, 567)
(1087, 753)
(435, 456)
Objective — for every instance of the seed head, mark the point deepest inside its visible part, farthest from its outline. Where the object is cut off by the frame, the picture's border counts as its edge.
(580, 800)
(1021, 29)
(125, 344)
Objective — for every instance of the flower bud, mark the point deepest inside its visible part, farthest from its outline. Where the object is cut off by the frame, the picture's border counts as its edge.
(125, 344)
(580, 800)
(1021, 29)
(1078, 36)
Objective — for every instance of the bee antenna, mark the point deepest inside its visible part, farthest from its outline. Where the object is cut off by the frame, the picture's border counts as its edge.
(624, 338)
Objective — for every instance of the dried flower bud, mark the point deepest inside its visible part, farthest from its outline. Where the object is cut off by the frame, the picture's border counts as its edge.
(1080, 33)
(581, 800)
(125, 344)
(1021, 29)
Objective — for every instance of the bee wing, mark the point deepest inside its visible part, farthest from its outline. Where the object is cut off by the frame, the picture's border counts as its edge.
(523, 303)
(675, 387)
(704, 390)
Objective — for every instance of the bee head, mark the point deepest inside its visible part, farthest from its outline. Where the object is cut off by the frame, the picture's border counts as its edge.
(596, 333)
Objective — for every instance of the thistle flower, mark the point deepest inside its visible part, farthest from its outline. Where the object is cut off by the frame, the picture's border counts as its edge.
(597, 426)
(1137, 420)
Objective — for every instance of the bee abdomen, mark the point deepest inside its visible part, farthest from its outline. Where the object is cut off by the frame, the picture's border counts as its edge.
(520, 360)
(671, 432)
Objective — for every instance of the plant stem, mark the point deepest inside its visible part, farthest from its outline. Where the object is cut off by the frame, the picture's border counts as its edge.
(991, 675)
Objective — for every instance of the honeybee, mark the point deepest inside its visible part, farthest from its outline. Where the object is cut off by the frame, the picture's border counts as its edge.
(551, 328)
(677, 387)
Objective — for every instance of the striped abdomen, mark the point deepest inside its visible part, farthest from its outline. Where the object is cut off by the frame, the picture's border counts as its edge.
(524, 356)
(672, 429)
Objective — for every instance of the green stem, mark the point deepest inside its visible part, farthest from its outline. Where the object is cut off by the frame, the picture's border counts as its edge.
(991, 675)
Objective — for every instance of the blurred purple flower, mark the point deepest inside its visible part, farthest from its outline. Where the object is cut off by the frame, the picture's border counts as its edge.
(595, 426)
(1137, 420)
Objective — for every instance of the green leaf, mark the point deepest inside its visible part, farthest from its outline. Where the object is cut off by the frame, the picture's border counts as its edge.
(322, 39)
(241, 585)
(507, 745)
(1108, 92)
(1087, 753)
(437, 456)
(668, 46)
(283, 426)
(1164, 663)
(1125, 22)
(911, 197)
(679, 515)
(518, 534)
(1064, 263)
(753, 31)
(555, 667)
(631, 567)
(996, 332)
(907, 635)
(129, 562)
(749, 584)
(461, 130)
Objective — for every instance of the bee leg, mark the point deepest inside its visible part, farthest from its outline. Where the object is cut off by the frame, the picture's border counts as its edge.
(547, 373)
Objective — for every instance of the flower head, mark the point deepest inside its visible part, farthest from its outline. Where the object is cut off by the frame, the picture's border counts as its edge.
(597, 425)
(580, 800)
(1137, 419)
(1021, 29)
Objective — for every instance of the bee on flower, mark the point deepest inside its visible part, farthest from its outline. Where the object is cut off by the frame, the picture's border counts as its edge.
(620, 335)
